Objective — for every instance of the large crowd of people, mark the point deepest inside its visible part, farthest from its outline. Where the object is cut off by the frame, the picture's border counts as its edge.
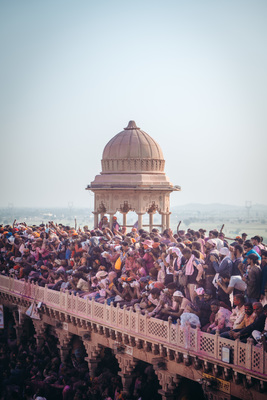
(202, 279)
(31, 372)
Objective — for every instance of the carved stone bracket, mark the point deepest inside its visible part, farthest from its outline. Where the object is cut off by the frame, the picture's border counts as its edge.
(125, 207)
(64, 338)
(167, 380)
(101, 208)
(153, 208)
(93, 351)
(127, 365)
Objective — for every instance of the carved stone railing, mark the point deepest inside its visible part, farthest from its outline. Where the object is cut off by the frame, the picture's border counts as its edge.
(245, 357)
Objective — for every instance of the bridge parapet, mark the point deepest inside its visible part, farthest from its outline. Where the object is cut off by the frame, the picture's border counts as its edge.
(163, 337)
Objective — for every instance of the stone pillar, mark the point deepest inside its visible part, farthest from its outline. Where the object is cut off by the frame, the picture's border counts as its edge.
(140, 220)
(151, 216)
(163, 221)
(64, 338)
(95, 219)
(111, 215)
(40, 328)
(126, 364)
(168, 220)
(19, 318)
(124, 219)
(19, 331)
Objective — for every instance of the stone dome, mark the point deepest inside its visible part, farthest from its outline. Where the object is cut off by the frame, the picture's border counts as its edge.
(132, 151)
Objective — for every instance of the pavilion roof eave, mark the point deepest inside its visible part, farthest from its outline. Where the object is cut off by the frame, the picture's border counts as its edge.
(146, 188)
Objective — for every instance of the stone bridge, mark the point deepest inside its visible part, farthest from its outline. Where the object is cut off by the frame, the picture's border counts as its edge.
(235, 368)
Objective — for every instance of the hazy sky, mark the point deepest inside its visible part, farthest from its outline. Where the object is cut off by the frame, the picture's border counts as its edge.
(192, 74)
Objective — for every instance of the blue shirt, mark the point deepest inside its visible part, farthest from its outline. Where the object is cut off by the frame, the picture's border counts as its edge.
(251, 252)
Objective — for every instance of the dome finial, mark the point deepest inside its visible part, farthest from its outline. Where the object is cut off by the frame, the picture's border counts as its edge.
(131, 125)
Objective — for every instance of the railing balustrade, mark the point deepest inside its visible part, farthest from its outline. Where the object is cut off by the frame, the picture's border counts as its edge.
(246, 357)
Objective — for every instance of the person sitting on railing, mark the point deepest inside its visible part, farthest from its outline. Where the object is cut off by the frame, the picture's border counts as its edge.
(248, 319)
(187, 311)
(150, 302)
(222, 321)
(258, 323)
(261, 337)
(114, 292)
(143, 290)
(130, 290)
(97, 285)
(79, 284)
(103, 284)
(61, 281)
(165, 303)
(238, 314)
(180, 305)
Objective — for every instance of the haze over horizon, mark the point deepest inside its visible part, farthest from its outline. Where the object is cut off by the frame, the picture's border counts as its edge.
(191, 74)
(193, 206)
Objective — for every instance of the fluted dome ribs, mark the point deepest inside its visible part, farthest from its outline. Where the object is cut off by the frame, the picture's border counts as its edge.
(132, 150)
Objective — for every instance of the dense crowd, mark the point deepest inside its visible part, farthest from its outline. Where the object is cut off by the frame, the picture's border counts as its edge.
(31, 372)
(205, 280)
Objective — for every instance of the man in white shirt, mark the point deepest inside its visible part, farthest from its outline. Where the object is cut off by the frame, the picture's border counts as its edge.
(231, 284)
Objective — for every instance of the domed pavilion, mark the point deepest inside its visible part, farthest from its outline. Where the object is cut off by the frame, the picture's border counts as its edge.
(132, 179)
